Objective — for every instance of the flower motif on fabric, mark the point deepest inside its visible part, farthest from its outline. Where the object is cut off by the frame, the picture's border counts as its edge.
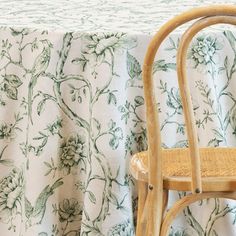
(72, 151)
(11, 191)
(5, 131)
(203, 51)
(122, 229)
(136, 142)
(8, 130)
(103, 44)
(69, 210)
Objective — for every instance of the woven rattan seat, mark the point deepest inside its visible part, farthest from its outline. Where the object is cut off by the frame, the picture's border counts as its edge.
(206, 172)
(215, 162)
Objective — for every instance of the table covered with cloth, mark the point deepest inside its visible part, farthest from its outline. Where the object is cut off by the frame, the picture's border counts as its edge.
(72, 113)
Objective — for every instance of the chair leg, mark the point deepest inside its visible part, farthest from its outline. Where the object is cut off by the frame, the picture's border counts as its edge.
(165, 201)
(155, 210)
(159, 215)
(157, 207)
(142, 197)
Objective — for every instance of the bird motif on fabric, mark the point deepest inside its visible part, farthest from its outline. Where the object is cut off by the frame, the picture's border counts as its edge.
(35, 214)
(39, 67)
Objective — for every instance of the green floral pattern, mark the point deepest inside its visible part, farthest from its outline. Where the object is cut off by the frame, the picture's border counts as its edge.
(72, 151)
(72, 114)
(96, 15)
(12, 189)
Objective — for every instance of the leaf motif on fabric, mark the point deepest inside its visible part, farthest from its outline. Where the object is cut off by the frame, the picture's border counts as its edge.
(41, 106)
(11, 91)
(133, 67)
(91, 196)
(13, 80)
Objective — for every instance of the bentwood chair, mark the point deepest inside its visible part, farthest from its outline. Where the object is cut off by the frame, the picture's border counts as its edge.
(183, 169)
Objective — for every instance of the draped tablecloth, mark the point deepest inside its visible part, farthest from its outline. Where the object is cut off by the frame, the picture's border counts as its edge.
(72, 113)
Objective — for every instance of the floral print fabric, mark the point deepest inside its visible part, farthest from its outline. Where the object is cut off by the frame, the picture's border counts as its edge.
(72, 114)
(133, 16)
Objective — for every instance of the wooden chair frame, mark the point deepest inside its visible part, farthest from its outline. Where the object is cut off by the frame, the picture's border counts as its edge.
(152, 196)
(189, 115)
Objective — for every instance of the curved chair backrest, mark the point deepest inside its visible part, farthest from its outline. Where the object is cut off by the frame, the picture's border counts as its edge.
(182, 75)
(153, 129)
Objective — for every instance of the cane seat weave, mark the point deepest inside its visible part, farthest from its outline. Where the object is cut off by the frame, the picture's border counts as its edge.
(215, 162)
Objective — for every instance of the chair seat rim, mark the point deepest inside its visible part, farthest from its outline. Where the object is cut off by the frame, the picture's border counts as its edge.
(209, 184)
